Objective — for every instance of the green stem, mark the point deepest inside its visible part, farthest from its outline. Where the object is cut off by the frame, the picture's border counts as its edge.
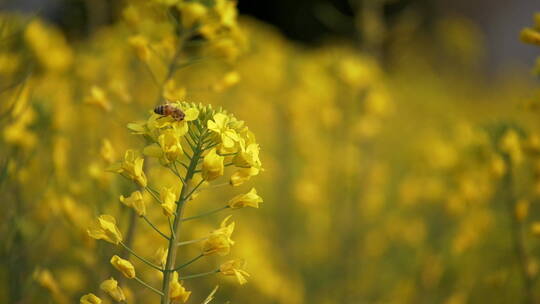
(172, 249)
(204, 214)
(189, 262)
(199, 275)
(148, 286)
(171, 227)
(141, 258)
(191, 241)
(155, 228)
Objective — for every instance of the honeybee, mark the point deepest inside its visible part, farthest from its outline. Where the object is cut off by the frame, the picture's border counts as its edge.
(170, 110)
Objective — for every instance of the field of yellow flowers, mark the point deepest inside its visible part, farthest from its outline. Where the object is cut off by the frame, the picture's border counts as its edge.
(186, 154)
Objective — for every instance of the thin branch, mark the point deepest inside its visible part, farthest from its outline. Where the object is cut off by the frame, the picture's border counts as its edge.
(148, 286)
(204, 214)
(141, 258)
(188, 262)
(155, 228)
(199, 275)
(175, 171)
(194, 189)
(153, 194)
(184, 165)
(191, 241)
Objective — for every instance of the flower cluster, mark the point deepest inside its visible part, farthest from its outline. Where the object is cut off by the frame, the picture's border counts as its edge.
(197, 149)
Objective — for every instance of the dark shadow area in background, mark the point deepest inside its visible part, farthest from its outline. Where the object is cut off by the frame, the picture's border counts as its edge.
(302, 20)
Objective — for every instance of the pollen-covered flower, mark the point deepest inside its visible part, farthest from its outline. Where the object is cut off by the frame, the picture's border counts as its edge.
(131, 167)
(229, 137)
(177, 291)
(106, 229)
(124, 266)
(234, 268)
(168, 147)
(250, 199)
(220, 241)
(213, 166)
(169, 141)
(248, 156)
(135, 201)
(156, 123)
(90, 299)
(111, 287)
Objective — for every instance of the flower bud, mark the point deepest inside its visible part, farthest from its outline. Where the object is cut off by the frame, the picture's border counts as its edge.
(124, 266)
(111, 287)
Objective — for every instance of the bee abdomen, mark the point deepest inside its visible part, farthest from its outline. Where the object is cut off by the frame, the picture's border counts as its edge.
(160, 110)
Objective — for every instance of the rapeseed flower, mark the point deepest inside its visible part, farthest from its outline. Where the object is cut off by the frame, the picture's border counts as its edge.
(131, 167)
(106, 230)
(250, 199)
(213, 166)
(90, 299)
(220, 241)
(135, 201)
(111, 287)
(124, 266)
(177, 291)
(234, 268)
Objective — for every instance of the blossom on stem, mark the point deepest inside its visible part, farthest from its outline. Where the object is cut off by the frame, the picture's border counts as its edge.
(124, 266)
(131, 167)
(106, 229)
(234, 268)
(177, 291)
(90, 299)
(219, 241)
(242, 175)
(228, 136)
(250, 199)
(168, 201)
(213, 166)
(111, 287)
(135, 201)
